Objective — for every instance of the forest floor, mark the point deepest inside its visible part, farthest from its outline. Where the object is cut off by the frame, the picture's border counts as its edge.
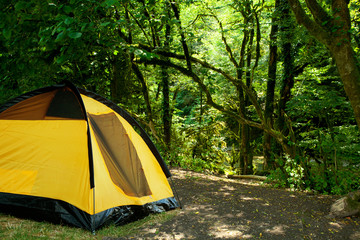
(216, 207)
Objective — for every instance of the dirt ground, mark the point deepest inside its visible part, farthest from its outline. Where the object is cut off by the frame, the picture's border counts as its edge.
(221, 208)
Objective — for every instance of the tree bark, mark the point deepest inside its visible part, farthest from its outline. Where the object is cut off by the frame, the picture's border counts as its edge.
(167, 118)
(246, 129)
(287, 82)
(183, 39)
(121, 80)
(349, 71)
(145, 93)
(286, 26)
(270, 88)
(334, 33)
(242, 106)
(121, 71)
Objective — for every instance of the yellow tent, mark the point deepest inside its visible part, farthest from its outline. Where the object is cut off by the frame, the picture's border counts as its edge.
(76, 156)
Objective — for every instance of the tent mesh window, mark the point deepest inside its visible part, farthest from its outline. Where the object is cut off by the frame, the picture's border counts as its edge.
(65, 105)
(57, 104)
(119, 154)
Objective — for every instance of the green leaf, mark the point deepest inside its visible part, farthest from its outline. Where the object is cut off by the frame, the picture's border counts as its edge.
(60, 36)
(110, 2)
(104, 24)
(21, 5)
(67, 9)
(84, 26)
(7, 33)
(61, 59)
(74, 35)
(68, 20)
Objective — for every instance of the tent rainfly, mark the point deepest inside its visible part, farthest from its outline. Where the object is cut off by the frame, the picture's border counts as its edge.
(70, 155)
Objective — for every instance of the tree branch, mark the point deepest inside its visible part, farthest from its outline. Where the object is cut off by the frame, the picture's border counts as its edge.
(227, 76)
(303, 19)
(140, 26)
(183, 42)
(227, 47)
(204, 88)
(319, 14)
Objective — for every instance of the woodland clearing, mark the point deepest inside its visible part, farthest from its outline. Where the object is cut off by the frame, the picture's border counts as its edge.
(215, 207)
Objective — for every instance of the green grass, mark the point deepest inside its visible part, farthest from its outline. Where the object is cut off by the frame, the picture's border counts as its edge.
(17, 228)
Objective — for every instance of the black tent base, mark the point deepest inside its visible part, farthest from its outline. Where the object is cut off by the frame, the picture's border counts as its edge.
(59, 212)
(32, 214)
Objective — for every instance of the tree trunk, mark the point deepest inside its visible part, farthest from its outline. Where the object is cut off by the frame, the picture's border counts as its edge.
(286, 26)
(246, 150)
(166, 116)
(121, 71)
(121, 80)
(287, 81)
(270, 89)
(349, 71)
(145, 93)
(334, 32)
(246, 130)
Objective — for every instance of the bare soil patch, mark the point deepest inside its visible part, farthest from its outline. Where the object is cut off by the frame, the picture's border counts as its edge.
(220, 208)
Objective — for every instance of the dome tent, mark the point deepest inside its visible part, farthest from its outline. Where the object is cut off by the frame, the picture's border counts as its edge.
(75, 156)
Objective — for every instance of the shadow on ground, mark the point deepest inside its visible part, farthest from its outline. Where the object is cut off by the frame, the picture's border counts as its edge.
(221, 208)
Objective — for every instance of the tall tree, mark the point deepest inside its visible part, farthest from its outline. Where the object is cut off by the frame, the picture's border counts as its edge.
(237, 82)
(332, 28)
(121, 71)
(270, 86)
(165, 79)
(286, 26)
(122, 78)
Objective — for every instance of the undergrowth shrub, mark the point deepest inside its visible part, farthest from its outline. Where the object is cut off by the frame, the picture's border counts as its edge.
(296, 175)
(289, 174)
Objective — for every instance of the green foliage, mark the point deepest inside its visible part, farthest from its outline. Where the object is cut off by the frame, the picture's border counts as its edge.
(199, 146)
(304, 174)
(327, 136)
(346, 180)
(198, 142)
(332, 181)
(295, 173)
(290, 174)
(355, 30)
(277, 178)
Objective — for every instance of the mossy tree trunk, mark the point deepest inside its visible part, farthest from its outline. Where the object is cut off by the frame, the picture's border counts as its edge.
(270, 88)
(333, 30)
